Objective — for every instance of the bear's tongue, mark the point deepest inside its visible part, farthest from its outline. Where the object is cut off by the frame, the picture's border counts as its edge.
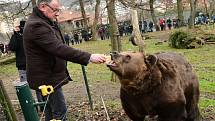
(111, 63)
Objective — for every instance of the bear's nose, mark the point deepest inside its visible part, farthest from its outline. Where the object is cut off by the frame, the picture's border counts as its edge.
(113, 54)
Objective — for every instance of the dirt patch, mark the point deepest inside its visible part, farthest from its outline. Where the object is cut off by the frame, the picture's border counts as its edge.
(160, 36)
(78, 106)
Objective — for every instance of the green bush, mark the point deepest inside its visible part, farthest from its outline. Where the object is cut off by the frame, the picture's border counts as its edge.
(184, 40)
(211, 38)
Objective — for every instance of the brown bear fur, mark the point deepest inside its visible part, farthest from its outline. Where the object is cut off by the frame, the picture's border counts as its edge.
(162, 85)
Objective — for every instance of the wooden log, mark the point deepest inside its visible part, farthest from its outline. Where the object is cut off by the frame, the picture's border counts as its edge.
(8, 60)
(6, 104)
(210, 42)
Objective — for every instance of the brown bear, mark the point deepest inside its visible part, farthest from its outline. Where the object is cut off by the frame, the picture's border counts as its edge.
(161, 85)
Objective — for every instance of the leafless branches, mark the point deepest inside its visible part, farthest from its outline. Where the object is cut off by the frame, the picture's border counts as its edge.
(10, 10)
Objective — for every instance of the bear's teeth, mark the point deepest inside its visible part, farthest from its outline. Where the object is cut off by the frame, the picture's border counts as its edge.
(112, 63)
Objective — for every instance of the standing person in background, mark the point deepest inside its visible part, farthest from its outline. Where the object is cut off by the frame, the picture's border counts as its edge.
(107, 31)
(130, 29)
(72, 38)
(121, 30)
(145, 26)
(101, 33)
(162, 24)
(2, 48)
(84, 34)
(174, 23)
(16, 45)
(47, 53)
(151, 26)
(66, 38)
(169, 23)
(76, 38)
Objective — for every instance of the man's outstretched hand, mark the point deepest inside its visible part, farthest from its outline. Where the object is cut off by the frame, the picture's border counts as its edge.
(97, 58)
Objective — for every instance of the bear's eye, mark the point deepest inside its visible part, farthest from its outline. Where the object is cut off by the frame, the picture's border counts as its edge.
(127, 58)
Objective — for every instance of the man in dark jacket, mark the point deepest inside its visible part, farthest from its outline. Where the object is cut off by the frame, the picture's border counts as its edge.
(16, 45)
(47, 53)
(84, 34)
(66, 38)
(76, 38)
(151, 26)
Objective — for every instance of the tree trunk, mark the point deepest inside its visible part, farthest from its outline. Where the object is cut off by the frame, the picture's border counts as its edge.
(33, 3)
(206, 8)
(211, 8)
(136, 31)
(84, 14)
(114, 33)
(97, 9)
(151, 4)
(192, 13)
(180, 12)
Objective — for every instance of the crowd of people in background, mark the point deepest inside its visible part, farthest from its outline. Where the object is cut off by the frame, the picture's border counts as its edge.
(168, 23)
(124, 28)
(77, 37)
(204, 19)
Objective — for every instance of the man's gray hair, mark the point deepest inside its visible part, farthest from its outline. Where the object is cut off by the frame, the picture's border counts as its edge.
(43, 1)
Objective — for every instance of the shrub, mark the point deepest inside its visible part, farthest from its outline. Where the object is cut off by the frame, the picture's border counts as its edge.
(184, 40)
(211, 38)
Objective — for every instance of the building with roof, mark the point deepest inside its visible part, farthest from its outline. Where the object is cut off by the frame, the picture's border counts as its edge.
(74, 19)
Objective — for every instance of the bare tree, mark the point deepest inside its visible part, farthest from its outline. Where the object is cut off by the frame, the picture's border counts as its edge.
(114, 32)
(206, 7)
(151, 4)
(11, 10)
(83, 14)
(133, 4)
(180, 12)
(192, 13)
(97, 9)
(211, 7)
(136, 31)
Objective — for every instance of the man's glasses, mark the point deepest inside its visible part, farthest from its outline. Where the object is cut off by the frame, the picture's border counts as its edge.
(53, 9)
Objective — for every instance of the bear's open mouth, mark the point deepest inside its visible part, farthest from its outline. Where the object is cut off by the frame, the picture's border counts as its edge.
(111, 64)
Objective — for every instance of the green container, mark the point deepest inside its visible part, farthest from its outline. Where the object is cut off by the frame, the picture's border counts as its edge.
(26, 101)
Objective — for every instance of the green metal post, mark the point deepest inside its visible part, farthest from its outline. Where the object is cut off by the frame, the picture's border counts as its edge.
(87, 87)
(26, 101)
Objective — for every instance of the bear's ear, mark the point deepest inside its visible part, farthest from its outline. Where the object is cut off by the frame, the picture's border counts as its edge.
(127, 58)
(151, 60)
